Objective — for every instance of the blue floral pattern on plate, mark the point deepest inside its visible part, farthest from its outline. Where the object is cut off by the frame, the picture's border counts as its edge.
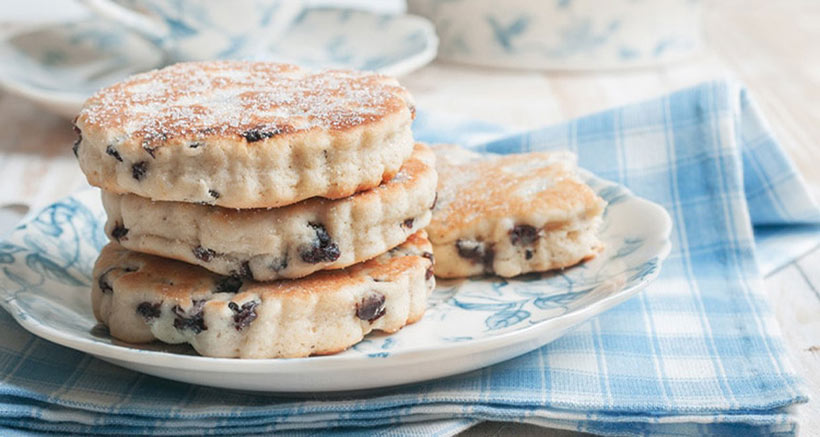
(45, 274)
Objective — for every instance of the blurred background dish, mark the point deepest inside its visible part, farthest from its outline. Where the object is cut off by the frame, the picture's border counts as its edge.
(564, 34)
(58, 65)
(346, 38)
(205, 29)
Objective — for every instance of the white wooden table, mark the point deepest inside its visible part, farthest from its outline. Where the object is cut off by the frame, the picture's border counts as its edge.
(770, 46)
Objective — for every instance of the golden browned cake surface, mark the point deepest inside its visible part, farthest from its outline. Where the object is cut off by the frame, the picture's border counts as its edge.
(511, 214)
(230, 99)
(244, 134)
(143, 297)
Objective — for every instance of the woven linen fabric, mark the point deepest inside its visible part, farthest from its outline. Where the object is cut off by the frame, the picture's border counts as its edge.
(697, 353)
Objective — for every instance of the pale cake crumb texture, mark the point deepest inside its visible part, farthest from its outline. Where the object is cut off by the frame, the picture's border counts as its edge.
(268, 244)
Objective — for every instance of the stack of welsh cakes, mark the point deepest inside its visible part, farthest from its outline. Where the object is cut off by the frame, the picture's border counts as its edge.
(258, 209)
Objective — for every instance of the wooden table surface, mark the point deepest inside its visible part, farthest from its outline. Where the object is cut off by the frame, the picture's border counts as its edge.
(769, 46)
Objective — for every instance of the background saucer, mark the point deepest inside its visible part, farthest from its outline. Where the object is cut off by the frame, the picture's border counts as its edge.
(59, 65)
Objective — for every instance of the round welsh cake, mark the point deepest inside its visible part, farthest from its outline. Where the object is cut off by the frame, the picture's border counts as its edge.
(511, 214)
(244, 134)
(142, 297)
(287, 242)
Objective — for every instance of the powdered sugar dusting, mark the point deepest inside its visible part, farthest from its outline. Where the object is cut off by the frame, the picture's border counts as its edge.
(474, 188)
(235, 98)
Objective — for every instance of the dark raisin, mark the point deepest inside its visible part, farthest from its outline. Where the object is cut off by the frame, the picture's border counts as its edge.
(119, 232)
(321, 233)
(371, 307)
(429, 273)
(194, 145)
(245, 271)
(105, 287)
(523, 235)
(259, 133)
(435, 201)
(244, 314)
(139, 169)
(228, 284)
(470, 249)
(204, 254)
(214, 194)
(76, 145)
(322, 249)
(111, 151)
(102, 281)
(528, 254)
(476, 252)
(151, 150)
(489, 256)
(195, 321)
(152, 139)
(149, 310)
(408, 223)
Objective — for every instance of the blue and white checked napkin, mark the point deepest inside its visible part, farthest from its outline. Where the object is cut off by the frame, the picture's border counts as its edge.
(697, 353)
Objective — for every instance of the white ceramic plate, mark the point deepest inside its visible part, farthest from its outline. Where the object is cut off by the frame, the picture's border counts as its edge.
(45, 272)
(59, 65)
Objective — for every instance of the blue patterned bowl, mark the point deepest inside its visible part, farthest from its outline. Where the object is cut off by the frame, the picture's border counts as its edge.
(45, 276)
(563, 34)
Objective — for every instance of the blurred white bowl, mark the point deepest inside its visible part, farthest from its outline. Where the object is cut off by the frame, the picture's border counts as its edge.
(564, 34)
